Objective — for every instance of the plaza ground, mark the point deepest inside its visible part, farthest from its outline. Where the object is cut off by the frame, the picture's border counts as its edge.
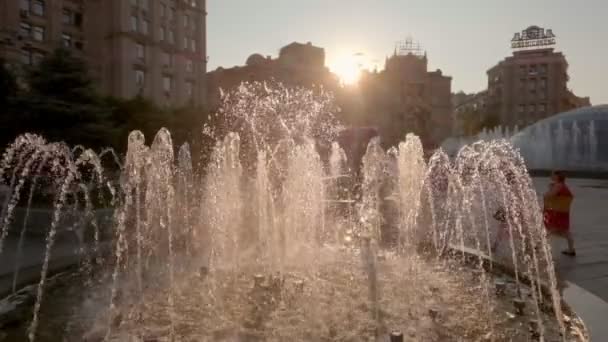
(589, 224)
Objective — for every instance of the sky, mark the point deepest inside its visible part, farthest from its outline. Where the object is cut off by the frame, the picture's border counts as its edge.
(463, 38)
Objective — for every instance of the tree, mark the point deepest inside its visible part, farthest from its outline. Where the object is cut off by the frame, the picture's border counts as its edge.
(8, 84)
(8, 92)
(61, 102)
(489, 121)
(63, 77)
(135, 114)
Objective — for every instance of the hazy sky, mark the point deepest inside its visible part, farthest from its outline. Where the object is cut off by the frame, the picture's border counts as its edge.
(463, 38)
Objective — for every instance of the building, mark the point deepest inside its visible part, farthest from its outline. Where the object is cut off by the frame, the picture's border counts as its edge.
(30, 29)
(297, 65)
(406, 97)
(469, 112)
(153, 48)
(532, 84)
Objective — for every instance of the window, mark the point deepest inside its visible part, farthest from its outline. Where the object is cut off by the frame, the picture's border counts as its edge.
(186, 20)
(67, 17)
(78, 19)
(145, 4)
(29, 57)
(189, 89)
(133, 2)
(134, 23)
(140, 51)
(144, 26)
(38, 7)
(26, 57)
(523, 69)
(192, 44)
(167, 59)
(543, 94)
(532, 108)
(185, 43)
(161, 35)
(171, 13)
(521, 108)
(532, 85)
(171, 37)
(66, 40)
(37, 57)
(163, 10)
(167, 84)
(193, 3)
(543, 68)
(542, 108)
(78, 45)
(25, 30)
(38, 33)
(25, 5)
(140, 78)
(543, 83)
(189, 65)
(70, 17)
(532, 70)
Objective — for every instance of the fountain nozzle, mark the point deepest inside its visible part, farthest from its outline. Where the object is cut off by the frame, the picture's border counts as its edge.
(519, 305)
(258, 280)
(396, 336)
(501, 287)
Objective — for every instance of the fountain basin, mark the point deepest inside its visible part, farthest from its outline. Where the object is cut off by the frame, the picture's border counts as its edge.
(427, 299)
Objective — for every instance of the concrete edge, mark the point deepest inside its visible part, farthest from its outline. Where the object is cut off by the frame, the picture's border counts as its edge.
(591, 310)
(31, 275)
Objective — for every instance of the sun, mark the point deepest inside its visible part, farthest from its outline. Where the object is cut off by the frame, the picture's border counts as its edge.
(347, 68)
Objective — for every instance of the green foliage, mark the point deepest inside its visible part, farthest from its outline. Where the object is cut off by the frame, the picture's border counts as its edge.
(62, 77)
(8, 84)
(476, 121)
(61, 104)
(490, 121)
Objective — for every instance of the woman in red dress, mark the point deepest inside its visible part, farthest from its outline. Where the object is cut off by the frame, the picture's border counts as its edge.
(556, 210)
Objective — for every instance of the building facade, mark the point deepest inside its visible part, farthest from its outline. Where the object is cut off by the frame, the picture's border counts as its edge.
(406, 97)
(532, 84)
(31, 29)
(469, 112)
(152, 48)
(297, 65)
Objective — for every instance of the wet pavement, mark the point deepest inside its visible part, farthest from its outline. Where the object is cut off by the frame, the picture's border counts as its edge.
(63, 254)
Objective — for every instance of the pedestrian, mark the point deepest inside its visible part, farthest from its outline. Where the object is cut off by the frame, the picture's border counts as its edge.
(556, 211)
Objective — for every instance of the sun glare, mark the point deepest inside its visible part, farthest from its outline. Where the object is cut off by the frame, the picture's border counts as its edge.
(347, 68)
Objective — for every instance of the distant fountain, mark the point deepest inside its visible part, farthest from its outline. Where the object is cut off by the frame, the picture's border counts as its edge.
(570, 145)
(546, 145)
(254, 248)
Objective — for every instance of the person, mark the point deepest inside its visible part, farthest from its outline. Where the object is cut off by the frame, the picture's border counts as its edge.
(556, 211)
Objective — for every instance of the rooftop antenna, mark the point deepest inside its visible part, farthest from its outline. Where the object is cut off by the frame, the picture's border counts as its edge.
(409, 47)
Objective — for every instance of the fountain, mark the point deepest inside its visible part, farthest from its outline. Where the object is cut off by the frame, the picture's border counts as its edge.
(569, 141)
(276, 241)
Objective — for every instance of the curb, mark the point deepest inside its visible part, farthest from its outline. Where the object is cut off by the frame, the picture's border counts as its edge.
(576, 301)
